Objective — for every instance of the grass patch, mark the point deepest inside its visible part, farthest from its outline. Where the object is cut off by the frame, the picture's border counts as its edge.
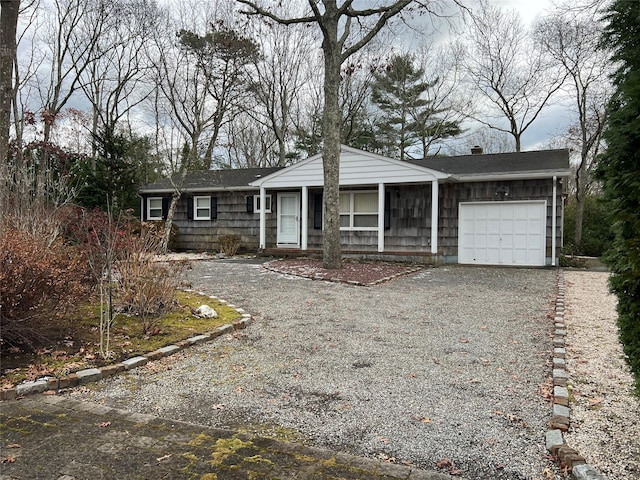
(78, 346)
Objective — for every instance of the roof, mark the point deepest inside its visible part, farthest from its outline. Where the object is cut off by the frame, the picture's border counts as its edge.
(479, 167)
(212, 180)
(357, 168)
(543, 162)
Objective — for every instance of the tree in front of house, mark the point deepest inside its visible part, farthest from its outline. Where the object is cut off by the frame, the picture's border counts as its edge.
(345, 30)
(619, 169)
(8, 25)
(201, 83)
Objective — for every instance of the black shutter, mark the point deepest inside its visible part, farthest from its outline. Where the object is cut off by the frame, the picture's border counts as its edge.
(145, 200)
(250, 204)
(214, 208)
(165, 207)
(387, 210)
(317, 211)
(190, 206)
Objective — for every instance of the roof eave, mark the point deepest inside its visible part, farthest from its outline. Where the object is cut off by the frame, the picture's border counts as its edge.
(487, 177)
(199, 189)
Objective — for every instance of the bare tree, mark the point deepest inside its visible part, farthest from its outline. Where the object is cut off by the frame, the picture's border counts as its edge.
(67, 49)
(505, 68)
(114, 80)
(345, 30)
(571, 37)
(202, 80)
(8, 29)
(280, 75)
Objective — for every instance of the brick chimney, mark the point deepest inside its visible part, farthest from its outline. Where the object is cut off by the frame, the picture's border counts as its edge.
(477, 150)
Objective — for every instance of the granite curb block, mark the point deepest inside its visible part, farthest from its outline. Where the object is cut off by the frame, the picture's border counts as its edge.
(409, 271)
(561, 419)
(89, 375)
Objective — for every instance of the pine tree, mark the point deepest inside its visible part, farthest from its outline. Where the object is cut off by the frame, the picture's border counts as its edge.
(410, 123)
(619, 169)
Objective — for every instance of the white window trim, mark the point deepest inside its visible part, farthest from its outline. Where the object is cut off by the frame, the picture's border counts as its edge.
(149, 216)
(195, 208)
(256, 201)
(351, 213)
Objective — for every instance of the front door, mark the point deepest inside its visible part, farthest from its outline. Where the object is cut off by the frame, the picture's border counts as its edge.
(289, 219)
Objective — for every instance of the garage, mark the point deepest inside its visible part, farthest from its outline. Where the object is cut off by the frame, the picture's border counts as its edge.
(502, 233)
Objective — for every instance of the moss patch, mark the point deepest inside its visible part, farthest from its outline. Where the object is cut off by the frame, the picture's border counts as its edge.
(226, 447)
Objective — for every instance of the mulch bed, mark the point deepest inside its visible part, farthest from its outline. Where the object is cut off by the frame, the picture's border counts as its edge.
(352, 272)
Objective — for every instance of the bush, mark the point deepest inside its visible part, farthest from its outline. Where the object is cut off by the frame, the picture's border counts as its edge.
(40, 281)
(143, 286)
(229, 244)
(158, 228)
(596, 228)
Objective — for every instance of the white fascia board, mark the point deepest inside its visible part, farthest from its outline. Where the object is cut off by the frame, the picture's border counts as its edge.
(482, 177)
(199, 190)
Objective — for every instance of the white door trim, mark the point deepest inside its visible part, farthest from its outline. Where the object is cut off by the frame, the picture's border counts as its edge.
(288, 224)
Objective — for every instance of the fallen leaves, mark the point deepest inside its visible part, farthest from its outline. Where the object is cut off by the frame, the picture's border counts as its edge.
(9, 459)
(103, 424)
(447, 463)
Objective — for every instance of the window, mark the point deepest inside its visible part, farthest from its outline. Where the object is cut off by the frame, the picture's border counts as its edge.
(154, 208)
(256, 203)
(359, 210)
(202, 208)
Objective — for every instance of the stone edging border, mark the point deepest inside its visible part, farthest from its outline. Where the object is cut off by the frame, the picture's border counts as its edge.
(560, 421)
(88, 375)
(267, 266)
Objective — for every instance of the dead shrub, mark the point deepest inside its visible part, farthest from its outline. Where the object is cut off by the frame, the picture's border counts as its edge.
(229, 244)
(143, 286)
(40, 281)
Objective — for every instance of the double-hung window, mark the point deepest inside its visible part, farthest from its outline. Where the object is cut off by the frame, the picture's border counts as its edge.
(154, 208)
(359, 210)
(202, 208)
(256, 203)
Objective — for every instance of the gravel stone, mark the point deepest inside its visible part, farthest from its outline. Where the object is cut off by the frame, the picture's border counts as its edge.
(446, 363)
(605, 414)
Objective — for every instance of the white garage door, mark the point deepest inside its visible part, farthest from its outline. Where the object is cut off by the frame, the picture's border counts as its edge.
(502, 233)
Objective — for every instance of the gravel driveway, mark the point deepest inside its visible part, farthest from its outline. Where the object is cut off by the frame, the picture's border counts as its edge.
(442, 364)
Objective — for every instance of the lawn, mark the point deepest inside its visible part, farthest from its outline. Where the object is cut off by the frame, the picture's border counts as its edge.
(78, 339)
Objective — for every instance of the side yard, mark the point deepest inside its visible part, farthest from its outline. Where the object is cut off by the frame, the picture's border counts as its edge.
(605, 414)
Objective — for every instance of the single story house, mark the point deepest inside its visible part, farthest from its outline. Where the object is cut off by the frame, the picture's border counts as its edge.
(489, 209)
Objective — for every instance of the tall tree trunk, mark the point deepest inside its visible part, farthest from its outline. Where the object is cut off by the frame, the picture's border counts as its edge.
(164, 245)
(332, 252)
(579, 221)
(8, 27)
(580, 194)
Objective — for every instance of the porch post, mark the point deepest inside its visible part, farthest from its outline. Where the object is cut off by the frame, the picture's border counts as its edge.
(434, 217)
(381, 217)
(263, 218)
(554, 206)
(305, 216)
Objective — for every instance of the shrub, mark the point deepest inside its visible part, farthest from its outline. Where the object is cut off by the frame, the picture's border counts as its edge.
(596, 228)
(229, 244)
(40, 281)
(143, 286)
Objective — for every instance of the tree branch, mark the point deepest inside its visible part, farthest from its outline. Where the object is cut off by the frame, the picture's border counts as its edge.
(257, 10)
